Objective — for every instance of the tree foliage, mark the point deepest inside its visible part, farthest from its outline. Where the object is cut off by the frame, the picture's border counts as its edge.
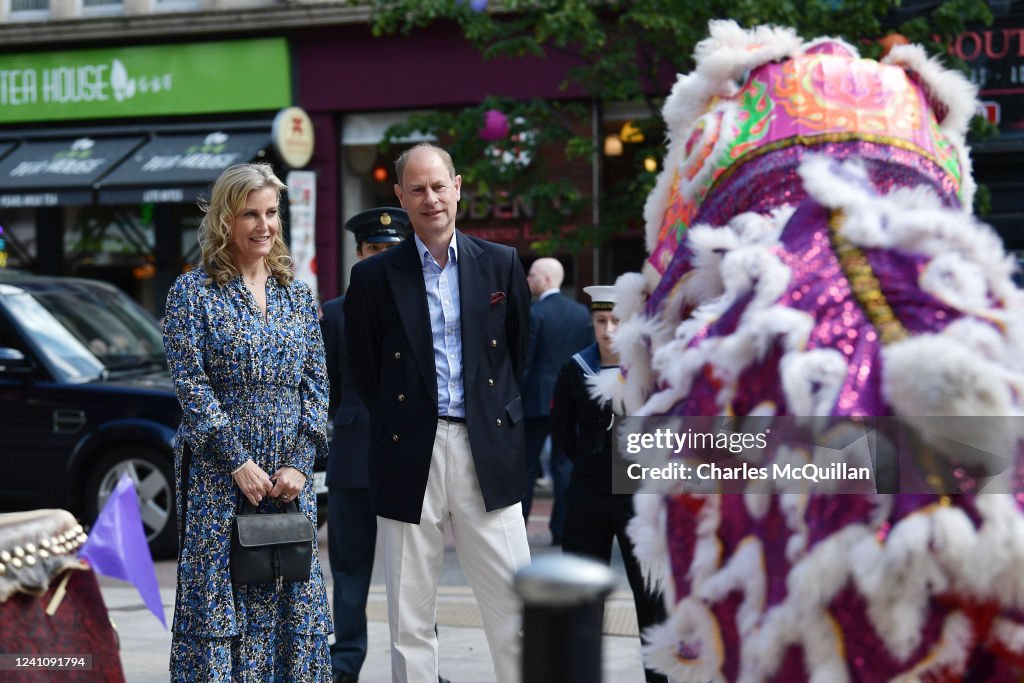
(624, 49)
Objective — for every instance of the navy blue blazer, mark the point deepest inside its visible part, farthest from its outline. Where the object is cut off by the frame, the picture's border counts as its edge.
(392, 362)
(559, 327)
(347, 460)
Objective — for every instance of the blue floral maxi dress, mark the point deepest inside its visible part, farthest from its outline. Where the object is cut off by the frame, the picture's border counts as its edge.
(249, 388)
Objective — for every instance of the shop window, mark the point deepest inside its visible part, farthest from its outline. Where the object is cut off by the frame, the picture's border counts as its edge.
(177, 5)
(17, 239)
(94, 7)
(114, 244)
(29, 10)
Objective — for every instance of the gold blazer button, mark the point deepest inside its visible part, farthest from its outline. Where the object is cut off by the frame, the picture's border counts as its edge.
(398, 354)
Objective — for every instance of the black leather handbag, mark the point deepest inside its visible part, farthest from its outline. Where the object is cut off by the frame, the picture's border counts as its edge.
(269, 547)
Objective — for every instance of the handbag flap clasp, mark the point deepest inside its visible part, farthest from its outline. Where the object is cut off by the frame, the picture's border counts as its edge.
(271, 529)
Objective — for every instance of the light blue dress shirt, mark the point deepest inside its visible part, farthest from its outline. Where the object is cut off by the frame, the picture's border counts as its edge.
(443, 304)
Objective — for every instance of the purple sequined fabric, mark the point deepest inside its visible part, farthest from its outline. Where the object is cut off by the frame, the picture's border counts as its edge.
(858, 300)
(770, 181)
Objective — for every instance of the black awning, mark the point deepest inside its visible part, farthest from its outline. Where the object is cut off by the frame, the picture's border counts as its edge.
(59, 172)
(178, 168)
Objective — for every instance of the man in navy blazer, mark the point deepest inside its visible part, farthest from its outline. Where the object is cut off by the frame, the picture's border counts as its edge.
(352, 526)
(444, 328)
(559, 327)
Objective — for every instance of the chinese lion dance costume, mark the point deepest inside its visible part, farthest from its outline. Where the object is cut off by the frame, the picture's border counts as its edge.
(812, 252)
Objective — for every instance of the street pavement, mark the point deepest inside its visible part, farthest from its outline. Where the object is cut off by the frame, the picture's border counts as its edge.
(145, 645)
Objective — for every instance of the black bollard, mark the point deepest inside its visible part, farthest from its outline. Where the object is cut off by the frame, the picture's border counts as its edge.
(563, 618)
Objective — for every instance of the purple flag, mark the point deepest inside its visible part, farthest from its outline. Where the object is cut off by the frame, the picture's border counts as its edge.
(117, 546)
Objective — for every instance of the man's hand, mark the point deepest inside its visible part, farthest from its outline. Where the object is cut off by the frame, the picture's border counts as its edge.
(253, 481)
(288, 482)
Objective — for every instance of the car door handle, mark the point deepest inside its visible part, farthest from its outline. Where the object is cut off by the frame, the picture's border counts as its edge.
(68, 421)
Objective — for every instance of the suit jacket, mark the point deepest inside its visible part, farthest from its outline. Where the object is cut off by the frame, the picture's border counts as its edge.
(349, 454)
(559, 327)
(392, 362)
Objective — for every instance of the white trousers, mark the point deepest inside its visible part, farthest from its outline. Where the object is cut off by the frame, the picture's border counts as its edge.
(491, 546)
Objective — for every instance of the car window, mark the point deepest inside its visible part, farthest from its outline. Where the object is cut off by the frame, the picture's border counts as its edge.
(113, 327)
(66, 355)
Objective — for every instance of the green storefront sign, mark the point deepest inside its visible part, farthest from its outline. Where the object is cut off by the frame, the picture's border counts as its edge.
(198, 78)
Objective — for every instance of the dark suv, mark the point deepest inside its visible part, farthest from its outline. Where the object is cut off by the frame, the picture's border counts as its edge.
(85, 396)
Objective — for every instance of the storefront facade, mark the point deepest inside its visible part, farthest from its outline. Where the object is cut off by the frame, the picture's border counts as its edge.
(995, 57)
(355, 85)
(169, 118)
(165, 118)
(106, 151)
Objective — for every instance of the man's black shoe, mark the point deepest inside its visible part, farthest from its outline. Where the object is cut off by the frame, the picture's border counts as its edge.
(442, 679)
(345, 678)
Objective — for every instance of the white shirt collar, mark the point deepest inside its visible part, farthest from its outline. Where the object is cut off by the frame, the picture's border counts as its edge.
(453, 247)
(548, 292)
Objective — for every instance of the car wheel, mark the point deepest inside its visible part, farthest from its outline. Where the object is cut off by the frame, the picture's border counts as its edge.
(153, 478)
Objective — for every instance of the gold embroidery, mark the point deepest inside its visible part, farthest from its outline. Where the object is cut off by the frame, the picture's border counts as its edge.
(863, 283)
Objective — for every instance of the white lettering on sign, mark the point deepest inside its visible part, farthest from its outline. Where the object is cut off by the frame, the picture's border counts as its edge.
(23, 200)
(17, 86)
(164, 196)
(83, 83)
(58, 166)
(80, 84)
(196, 160)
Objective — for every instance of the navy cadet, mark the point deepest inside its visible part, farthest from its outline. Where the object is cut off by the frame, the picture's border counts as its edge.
(581, 425)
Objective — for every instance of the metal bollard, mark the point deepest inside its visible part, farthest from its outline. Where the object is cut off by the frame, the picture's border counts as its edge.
(563, 618)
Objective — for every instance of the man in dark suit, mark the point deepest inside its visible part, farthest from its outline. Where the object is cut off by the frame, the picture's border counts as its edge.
(352, 526)
(444, 328)
(559, 327)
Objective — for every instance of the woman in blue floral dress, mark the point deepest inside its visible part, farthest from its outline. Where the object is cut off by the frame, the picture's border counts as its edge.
(245, 352)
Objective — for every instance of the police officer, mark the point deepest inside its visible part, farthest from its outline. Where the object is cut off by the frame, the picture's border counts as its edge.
(352, 526)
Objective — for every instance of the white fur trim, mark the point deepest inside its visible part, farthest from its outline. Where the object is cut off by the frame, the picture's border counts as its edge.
(945, 89)
(956, 281)
(647, 531)
(608, 385)
(677, 368)
(744, 572)
(1008, 633)
(957, 382)
(630, 295)
(757, 269)
(812, 380)
(692, 622)
(709, 245)
(634, 340)
(951, 653)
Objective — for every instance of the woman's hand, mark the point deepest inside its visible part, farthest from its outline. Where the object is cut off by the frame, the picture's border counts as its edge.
(253, 481)
(288, 482)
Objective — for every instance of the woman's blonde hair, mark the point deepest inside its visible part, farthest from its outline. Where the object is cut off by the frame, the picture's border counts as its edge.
(227, 200)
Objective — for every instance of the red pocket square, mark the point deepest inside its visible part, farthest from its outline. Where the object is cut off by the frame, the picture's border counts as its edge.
(497, 298)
